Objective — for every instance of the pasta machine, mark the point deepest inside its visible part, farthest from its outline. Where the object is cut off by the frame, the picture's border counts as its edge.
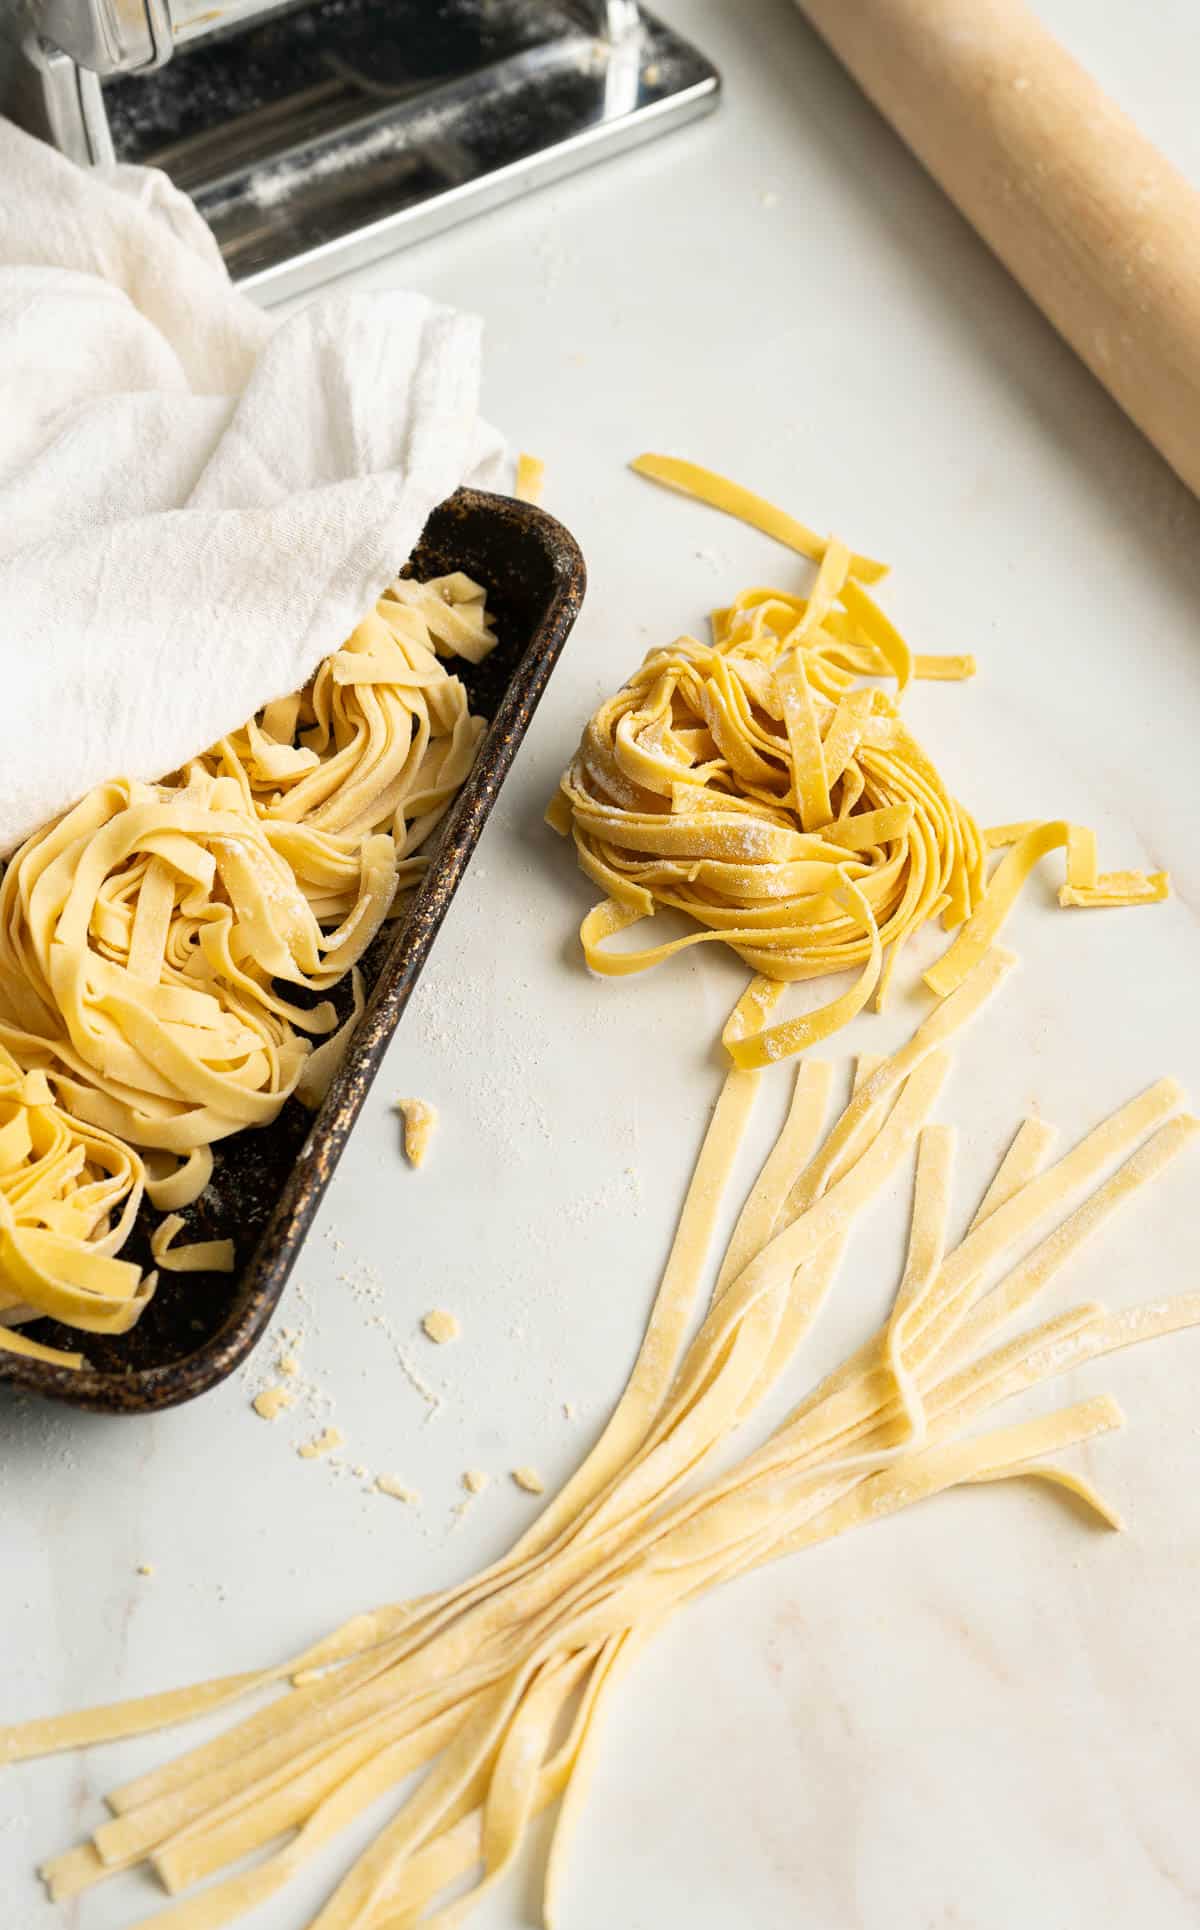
(316, 134)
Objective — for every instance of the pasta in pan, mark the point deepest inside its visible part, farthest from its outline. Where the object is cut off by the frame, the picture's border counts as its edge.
(69, 1194)
(153, 941)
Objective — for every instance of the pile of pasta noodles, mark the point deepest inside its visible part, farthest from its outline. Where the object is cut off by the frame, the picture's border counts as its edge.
(152, 942)
(493, 1691)
(759, 785)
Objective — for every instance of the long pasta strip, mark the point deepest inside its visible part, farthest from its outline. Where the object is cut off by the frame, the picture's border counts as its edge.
(708, 487)
(473, 1682)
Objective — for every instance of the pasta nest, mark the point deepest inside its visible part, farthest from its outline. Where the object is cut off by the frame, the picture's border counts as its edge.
(766, 786)
(759, 786)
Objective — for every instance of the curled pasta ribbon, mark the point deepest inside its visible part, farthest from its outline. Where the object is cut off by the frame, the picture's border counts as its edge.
(170, 1189)
(69, 1195)
(1027, 845)
(758, 785)
(497, 1687)
(165, 948)
(200, 1256)
(798, 1034)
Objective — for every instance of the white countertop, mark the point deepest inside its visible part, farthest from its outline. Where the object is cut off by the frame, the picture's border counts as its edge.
(984, 1713)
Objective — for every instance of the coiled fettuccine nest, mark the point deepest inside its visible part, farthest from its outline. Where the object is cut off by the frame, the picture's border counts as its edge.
(759, 785)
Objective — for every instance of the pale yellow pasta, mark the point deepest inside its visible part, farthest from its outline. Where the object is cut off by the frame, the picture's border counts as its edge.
(149, 941)
(200, 1256)
(757, 784)
(531, 476)
(473, 1685)
(69, 1194)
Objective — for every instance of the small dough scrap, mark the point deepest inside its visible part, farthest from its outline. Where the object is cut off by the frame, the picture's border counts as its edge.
(202, 1256)
(269, 1405)
(393, 1485)
(289, 1365)
(128, 1049)
(475, 1480)
(440, 1326)
(420, 1120)
(331, 1438)
(529, 1479)
(531, 474)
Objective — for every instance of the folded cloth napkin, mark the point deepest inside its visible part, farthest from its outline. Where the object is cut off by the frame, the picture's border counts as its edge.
(196, 504)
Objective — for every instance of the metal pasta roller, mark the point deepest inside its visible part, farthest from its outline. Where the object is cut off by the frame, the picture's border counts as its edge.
(315, 136)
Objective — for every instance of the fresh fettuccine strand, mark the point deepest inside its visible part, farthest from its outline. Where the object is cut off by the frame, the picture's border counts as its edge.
(69, 1194)
(708, 487)
(472, 1686)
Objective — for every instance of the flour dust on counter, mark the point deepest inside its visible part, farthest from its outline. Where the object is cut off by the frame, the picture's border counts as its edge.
(370, 1292)
(290, 1390)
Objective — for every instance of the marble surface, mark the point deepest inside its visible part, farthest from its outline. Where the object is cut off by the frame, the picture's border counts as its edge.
(983, 1713)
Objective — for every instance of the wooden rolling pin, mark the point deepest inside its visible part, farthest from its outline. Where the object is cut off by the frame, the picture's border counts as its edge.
(1097, 227)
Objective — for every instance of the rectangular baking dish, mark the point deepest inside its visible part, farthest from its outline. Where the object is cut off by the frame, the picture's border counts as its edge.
(267, 1184)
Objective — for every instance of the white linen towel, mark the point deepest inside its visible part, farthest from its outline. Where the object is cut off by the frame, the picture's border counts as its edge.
(196, 504)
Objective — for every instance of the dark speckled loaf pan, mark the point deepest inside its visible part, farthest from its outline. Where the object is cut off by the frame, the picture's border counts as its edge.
(268, 1184)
